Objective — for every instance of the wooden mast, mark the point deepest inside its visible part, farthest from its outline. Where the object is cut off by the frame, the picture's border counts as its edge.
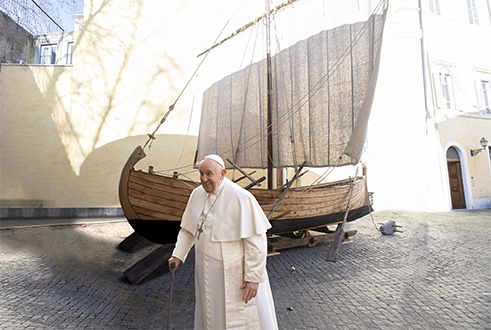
(269, 95)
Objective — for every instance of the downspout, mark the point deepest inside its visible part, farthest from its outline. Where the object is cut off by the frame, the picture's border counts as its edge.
(424, 63)
(431, 115)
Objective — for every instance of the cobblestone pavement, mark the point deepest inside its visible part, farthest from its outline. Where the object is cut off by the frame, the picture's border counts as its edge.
(436, 274)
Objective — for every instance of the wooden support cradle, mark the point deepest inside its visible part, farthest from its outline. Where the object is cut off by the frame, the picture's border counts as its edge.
(339, 234)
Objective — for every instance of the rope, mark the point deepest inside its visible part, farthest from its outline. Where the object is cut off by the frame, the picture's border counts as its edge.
(295, 108)
(187, 134)
(172, 106)
(286, 117)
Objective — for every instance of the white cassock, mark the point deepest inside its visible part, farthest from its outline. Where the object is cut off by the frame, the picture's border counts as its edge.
(231, 249)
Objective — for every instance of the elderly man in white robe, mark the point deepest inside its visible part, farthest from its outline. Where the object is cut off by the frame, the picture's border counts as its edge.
(228, 228)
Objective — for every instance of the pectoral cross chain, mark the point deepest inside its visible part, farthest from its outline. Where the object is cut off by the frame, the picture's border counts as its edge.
(200, 229)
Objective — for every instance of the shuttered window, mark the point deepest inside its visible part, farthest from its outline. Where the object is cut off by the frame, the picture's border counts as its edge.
(435, 7)
(472, 12)
(48, 54)
(486, 95)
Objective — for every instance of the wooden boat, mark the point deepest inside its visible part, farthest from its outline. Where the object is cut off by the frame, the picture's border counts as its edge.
(154, 203)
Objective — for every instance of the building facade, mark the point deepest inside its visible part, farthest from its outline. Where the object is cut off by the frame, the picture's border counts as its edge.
(432, 107)
(53, 48)
(18, 46)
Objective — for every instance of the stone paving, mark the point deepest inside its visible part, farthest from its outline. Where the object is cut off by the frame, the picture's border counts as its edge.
(436, 274)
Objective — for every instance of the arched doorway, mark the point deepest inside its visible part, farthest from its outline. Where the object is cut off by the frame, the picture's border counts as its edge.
(455, 179)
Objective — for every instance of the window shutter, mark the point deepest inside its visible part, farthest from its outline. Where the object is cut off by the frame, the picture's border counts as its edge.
(437, 91)
(479, 100)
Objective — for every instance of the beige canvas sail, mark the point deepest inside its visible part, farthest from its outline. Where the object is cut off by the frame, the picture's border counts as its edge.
(322, 92)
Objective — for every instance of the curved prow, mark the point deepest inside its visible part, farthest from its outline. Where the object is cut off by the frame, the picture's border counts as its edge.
(124, 181)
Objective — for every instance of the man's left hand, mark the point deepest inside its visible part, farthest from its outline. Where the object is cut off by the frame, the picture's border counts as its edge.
(250, 290)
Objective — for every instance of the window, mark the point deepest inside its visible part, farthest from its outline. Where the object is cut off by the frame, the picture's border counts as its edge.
(435, 7)
(452, 153)
(69, 53)
(472, 12)
(486, 95)
(447, 90)
(48, 54)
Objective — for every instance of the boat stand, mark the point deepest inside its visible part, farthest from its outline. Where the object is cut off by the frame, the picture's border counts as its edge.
(156, 261)
(305, 238)
(153, 263)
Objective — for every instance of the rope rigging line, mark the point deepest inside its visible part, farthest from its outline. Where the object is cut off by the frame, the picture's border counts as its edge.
(151, 136)
(187, 134)
(296, 108)
(237, 150)
(248, 25)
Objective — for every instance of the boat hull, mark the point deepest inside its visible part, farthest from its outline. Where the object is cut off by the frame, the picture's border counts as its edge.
(154, 204)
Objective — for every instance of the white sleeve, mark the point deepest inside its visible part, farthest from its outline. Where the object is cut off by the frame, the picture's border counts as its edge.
(255, 254)
(185, 241)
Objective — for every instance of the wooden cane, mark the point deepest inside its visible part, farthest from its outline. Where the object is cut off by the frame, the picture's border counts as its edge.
(172, 269)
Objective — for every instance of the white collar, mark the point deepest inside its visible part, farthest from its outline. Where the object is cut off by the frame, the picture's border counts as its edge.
(219, 188)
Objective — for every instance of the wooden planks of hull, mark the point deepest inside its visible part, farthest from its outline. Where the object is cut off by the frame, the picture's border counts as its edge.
(157, 197)
(160, 197)
(154, 204)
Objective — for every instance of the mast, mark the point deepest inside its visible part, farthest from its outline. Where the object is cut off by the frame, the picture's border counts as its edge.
(269, 96)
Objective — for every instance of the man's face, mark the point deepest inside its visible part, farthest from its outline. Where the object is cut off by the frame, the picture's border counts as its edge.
(211, 175)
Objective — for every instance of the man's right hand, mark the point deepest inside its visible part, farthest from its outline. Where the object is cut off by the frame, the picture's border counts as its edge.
(174, 263)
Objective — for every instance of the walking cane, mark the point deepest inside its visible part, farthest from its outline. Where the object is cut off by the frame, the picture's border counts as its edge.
(172, 266)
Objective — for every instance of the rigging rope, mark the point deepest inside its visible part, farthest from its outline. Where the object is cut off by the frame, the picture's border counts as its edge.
(237, 150)
(187, 134)
(293, 109)
(297, 107)
(151, 136)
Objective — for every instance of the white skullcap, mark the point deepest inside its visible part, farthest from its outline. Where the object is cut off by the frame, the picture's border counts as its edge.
(216, 159)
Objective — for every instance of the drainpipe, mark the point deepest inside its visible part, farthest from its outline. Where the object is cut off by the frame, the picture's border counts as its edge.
(441, 161)
(424, 63)
(430, 115)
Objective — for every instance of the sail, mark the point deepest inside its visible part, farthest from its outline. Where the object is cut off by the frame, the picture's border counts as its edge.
(322, 92)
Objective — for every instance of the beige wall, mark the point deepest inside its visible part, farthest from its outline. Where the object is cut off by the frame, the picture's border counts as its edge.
(38, 139)
(65, 132)
(476, 170)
